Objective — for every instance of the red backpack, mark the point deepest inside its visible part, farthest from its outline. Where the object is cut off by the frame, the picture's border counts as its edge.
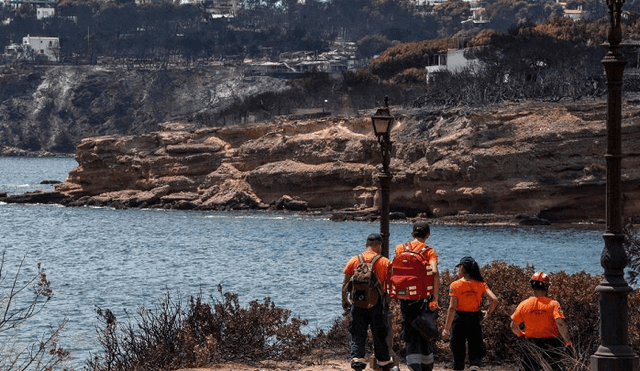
(411, 275)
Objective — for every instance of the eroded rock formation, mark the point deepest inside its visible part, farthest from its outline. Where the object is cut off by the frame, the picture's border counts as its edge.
(538, 160)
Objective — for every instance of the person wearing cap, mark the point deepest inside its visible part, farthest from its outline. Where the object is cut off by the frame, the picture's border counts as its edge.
(375, 317)
(419, 351)
(464, 316)
(544, 325)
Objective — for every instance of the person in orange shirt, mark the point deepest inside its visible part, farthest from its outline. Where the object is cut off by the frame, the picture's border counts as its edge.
(376, 316)
(419, 351)
(464, 315)
(544, 325)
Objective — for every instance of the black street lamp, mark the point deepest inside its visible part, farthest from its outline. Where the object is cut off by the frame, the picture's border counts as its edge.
(614, 352)
(382, 121)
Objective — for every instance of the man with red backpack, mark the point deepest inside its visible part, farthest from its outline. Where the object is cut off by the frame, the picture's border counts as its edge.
(364, 296)
(414, 281)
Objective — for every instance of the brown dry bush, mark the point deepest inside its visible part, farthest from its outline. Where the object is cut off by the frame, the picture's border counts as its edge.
(411, 77)
(202, 333)
(173, 336)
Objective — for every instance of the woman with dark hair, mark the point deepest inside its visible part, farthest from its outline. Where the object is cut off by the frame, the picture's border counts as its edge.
(464, 314)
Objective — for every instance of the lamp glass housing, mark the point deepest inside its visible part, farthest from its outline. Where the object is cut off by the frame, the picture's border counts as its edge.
(382, 121)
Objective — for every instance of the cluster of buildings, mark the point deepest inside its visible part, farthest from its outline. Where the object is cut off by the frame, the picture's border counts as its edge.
(47, 48)
(216, 8)
(342, 56)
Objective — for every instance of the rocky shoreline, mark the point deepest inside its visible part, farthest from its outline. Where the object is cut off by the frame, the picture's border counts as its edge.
(341, 215)
(18, 152)
(526, 163)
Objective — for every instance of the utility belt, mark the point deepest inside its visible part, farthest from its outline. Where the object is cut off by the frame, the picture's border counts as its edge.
(419, 302)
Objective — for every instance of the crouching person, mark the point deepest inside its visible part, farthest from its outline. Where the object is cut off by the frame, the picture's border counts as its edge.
(544, 326)
(363, 295)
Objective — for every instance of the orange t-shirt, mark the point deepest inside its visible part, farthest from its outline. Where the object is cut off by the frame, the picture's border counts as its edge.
(430, 254)
(539, 315)
(381, 267)
(468, 293)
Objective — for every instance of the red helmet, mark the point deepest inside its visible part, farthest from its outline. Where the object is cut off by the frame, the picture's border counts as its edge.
(541, 277)
(540, 280)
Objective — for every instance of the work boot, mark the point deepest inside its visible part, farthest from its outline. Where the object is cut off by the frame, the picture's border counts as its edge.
(358, 365)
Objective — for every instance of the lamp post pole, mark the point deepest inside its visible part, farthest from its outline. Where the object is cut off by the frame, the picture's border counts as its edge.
(385, 188)
(382, 121)
(614, 352)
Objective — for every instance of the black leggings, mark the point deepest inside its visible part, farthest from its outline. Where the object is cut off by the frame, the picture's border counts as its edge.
(466, 330)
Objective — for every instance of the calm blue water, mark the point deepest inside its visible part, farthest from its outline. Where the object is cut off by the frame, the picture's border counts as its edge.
(124, 259)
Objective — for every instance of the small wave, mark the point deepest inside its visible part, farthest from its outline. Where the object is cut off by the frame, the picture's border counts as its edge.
(97, 207)
(265, 217)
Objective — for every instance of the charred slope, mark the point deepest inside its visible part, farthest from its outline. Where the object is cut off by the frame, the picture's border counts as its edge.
(52, 109)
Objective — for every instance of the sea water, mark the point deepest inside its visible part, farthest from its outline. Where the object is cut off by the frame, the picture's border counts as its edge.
(126, 259)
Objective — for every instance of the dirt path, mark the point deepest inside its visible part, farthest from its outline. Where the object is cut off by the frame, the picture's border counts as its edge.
(323, 365)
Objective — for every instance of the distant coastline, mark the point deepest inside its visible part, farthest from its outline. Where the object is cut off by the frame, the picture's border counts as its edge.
(18, 152)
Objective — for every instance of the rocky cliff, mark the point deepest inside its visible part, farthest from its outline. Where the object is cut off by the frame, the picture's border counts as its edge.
(544, 161)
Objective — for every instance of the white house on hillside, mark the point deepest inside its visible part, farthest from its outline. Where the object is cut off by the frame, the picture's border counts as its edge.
(575, 14)
(452, 60)
(47, 47)
(45, 13)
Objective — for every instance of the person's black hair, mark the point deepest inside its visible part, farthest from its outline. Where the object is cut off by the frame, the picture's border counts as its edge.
(473, 271)
(471, 268)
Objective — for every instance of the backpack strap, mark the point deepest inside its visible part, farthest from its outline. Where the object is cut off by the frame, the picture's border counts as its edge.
(375, 259)
(373, 266)
(424, 249)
